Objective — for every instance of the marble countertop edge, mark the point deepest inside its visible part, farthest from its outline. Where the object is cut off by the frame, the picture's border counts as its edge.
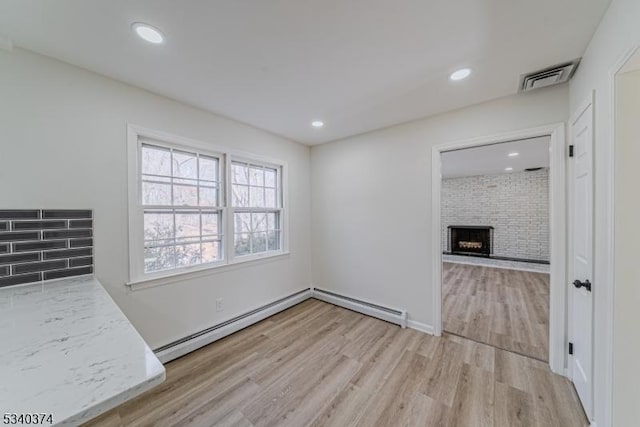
(69, 350)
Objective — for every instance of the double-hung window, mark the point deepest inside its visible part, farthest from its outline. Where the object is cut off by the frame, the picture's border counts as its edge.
(181, 205)
(193, 208)
(257, 208)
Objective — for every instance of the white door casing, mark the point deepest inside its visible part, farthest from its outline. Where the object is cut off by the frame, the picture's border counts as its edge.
(580, 291)
(558, 315)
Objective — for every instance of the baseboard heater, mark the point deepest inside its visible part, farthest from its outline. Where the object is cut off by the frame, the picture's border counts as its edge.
(193, 342)
(197, 340)
(398, 317)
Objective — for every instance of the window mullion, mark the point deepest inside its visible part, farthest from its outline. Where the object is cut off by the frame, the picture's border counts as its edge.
(171, 179)
(198, 181)
(229, 237)
(201, 233)
(175, 255)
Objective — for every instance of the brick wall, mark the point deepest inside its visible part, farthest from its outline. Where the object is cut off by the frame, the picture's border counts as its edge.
(515, 204)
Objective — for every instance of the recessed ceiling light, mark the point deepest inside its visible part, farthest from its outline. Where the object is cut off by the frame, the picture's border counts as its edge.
(460, 74)
(514, 154)
(317, 123)
(508, 169)
(148, 32)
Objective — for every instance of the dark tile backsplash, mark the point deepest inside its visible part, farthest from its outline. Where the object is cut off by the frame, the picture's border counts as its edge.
(68, 253)
(12, 237)
(18, 214)
(80, 243)
(81, 223)
(48, 275)
(39, 246)
(20, 257)
(65, 234)
(80, 262)
(32, 267)
(38, 225)
(66, 214)
(44, 244)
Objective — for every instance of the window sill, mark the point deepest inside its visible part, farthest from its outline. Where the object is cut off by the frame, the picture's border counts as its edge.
(237, 263)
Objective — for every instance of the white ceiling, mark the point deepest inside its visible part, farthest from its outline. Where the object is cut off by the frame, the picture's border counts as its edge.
(358, 65)
(493, 159)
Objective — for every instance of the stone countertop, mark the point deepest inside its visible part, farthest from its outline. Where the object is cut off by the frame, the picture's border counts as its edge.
(66, 349)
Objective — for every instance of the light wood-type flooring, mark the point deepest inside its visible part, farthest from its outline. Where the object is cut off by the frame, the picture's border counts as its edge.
(508, 309)
(316, 364)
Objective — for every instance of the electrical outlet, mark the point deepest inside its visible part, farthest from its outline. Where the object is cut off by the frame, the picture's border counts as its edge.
(219, 304)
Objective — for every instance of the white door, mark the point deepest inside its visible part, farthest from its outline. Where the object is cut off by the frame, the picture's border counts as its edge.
(581, 291)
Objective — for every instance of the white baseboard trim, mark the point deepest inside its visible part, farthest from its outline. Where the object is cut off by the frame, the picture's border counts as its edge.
(392, 315)
(419, 326)
(193, 342)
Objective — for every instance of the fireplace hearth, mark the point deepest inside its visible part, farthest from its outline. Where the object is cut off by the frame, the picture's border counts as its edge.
(470, 240)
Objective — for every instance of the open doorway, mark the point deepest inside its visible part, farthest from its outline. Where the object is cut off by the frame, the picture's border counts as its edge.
(550, 326)
(496, 244)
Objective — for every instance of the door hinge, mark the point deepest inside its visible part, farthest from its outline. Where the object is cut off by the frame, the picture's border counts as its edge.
(571, 151)
(570, 348)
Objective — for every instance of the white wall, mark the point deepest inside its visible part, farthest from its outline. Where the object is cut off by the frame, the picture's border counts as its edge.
(63, 145)
(515, 204)
(626, 373)
(371, 199)
(618, 32)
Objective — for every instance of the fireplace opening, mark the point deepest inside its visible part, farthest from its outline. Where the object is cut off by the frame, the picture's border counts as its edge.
(470, 240)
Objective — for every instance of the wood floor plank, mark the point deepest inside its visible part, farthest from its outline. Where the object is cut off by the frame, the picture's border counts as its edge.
(513, 370)
(378, 364)
(513, 407)
(553, 405)
(308, 348)
(505, 308)
(367, 339)
(108, 419)
(320, 365)
(233, 419)
(212, 411)
(474, 399)
(182, 402)
(345, 409)
(428, 345)
(314, 399)
(181, 387)
(392, 402)
(443, 370)
(287, 401)
(425, 412)
(475, 353)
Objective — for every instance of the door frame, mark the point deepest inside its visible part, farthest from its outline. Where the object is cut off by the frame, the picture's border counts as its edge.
(605, 273)
(558, 231)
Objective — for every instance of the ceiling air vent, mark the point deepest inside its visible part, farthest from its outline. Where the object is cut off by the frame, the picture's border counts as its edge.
(548, 77)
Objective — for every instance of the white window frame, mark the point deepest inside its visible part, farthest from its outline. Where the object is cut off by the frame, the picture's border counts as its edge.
(232, 210)
(136, 136)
